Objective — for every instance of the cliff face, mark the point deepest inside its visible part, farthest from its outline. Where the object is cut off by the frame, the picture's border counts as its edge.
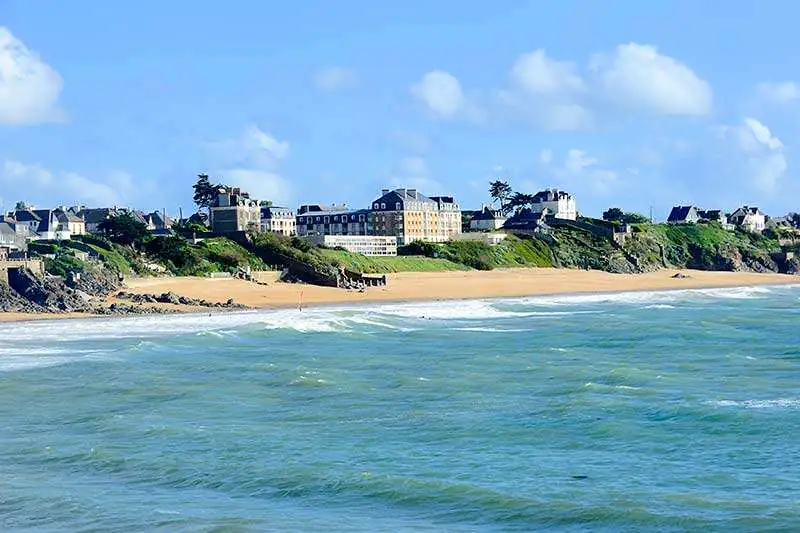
(651, 247)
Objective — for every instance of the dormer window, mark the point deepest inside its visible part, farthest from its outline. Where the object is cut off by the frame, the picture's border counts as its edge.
(375, 206)
(397, 206)
(383, 206)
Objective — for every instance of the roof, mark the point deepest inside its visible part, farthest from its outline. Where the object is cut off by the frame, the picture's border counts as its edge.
(7, 229)
(550, 195)
(487, 214)
(45, 215)
(66, 216)
(746, 210)
(270, 210)
(158, 220)
(710, 213)
(337, 213)
(403, 195)
(95, 216)
(680, 212)
(26, 215)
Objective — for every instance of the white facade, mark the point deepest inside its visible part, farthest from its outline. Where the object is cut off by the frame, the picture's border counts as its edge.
(559, 204)
(749, 219)
(370, 245)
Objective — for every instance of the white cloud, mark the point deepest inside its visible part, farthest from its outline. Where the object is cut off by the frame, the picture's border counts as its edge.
(556, 96)
(637, 77)
(251, 161)
(582, 172)
(260, 184)
(29, 87)
(441, 92)
(413, 172)
(546, 156)
(537, 74)
(779, 93)
(335, 79)
(41, 186)
(763, 152)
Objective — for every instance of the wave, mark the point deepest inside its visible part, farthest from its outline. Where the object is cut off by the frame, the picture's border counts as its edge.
(779, 403)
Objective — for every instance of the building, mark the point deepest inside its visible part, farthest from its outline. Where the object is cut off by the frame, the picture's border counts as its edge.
(526, 221)
(411, 216)
(74, 224)
(280, 220)
(684, 214)
(486, 219)
(43, 224)
(11, 238)
(559, 204)
(370, 245)
(234, 211)
(748, 219)
(92, 218)
(316, 219)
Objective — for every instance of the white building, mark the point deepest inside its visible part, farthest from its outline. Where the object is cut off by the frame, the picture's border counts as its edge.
(280, 220)
(749, 219)
(559, 204)
(486, 220)
(371, 245)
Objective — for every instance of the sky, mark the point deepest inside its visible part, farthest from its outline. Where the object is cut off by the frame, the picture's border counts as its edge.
(628, 104)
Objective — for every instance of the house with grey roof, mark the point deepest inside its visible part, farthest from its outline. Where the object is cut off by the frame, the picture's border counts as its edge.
(93, 217)
(559, 204)
(748, 219)
(277, 219)
(683, 214)
(487, 219)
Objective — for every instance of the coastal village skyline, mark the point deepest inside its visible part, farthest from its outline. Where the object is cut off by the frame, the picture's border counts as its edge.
(635, 117)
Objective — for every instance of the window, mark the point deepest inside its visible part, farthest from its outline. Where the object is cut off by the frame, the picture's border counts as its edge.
(327, 220)
(360, 218)
(397, 206)
(383, 206)
(375, 206)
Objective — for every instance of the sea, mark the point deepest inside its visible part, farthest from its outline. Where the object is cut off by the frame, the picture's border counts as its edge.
(646, 411)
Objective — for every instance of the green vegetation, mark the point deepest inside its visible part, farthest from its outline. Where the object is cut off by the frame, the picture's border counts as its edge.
(64, 263)
(182, 258)
(384, 265)
(701, 246)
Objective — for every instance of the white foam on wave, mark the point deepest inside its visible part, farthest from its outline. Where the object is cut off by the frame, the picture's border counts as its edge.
(651, 299)
(779, 403)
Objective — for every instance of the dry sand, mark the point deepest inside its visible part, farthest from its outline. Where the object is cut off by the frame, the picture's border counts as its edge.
(436, 286)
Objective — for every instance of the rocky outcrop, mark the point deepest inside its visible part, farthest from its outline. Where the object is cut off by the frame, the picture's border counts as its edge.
(99, 282)
(12, 302)
(174, 299)
(49, 294)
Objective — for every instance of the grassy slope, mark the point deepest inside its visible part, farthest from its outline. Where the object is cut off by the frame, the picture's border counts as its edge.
(383, 265)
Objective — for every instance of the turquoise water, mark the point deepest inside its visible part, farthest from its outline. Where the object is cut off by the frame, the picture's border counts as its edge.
(636, 412)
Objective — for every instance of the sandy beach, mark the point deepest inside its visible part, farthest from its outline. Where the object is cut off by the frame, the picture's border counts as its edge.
(434, 286)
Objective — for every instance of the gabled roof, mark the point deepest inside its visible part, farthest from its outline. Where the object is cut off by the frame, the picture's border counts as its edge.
(157, 219)
(46, 217)
(26, 215)
(746, 210)
(7, 229)
(97, 215)
(66, 216)
(487, 214)
(681, 212)
(710, 214)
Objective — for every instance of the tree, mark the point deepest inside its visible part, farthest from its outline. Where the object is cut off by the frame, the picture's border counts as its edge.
(614, 214)
(265, 203)
(520, 199)
(124, 229)
(204, 191)
(795, 219)
(500, 192)
(21, 206)
(634, 218)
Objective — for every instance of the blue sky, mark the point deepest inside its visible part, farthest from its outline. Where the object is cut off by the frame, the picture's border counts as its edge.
(621, 103)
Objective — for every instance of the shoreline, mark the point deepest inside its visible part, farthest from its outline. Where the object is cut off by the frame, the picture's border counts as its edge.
(421, 287)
